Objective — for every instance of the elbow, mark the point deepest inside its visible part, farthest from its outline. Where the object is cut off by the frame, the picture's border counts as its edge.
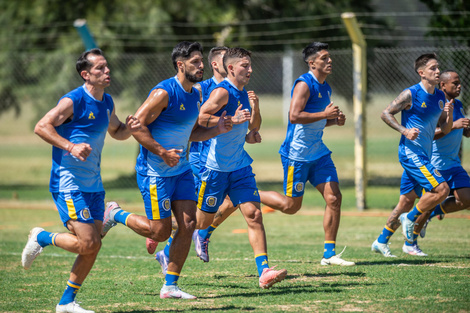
(294, 119)
(38, 129)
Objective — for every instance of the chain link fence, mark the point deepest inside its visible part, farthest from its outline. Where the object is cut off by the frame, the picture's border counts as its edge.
(42, 78)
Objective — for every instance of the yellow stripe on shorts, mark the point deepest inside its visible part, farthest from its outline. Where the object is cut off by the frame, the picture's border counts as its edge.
(429, 176)
(154, 202)
(71, 209)
(201, 195)
(290, 181)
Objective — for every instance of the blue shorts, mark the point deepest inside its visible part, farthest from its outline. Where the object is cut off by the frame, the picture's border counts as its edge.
(196, 169)
(455, 177)
(419, 174)
(297, 173)
(85, 207)
(240, 185)
(159, 192)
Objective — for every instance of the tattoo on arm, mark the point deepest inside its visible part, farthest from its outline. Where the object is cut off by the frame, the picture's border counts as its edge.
(402, 102)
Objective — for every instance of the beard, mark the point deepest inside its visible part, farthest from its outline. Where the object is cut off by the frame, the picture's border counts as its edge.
(193, 78)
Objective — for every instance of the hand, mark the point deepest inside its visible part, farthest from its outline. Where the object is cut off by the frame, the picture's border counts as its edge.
(133, 123)
(341, 119)
(241, 116)
(171, 157)
(253, 136)
(254, 100)
(411, 134)
(81, 151)
(224, 124)
(449, 107)
(461, 123)
(331, 111)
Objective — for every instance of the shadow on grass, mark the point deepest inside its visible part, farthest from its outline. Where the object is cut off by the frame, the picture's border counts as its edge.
(197, 309)
(405, 262)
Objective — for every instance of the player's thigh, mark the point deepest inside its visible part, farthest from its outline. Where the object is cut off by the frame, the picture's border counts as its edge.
(213, 189)
(156, 193)
(295, 177)
(85, 207)
(184, 212)
(243, 187)
(420, 169)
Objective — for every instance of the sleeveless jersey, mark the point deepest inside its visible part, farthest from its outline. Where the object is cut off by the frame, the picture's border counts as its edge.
(445, 150)
(89, 125)
(171, 129)
(304, 142)
(197, 146)
(226, 152)
(424, 115)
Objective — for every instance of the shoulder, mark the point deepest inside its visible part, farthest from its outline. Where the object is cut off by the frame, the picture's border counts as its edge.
(75, 95)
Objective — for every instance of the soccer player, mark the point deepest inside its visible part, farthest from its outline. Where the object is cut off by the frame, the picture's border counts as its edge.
(197, 158)
(76, 128)
(168, 121)
(445, 157)
(304, 155)
(227, 170)
(423, 107)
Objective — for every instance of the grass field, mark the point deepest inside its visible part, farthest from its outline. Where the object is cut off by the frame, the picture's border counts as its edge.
(126, 279)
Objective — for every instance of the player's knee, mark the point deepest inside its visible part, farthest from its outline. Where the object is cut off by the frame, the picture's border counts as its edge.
(442, 192)
(254, 217)
(89, 246)
(334, 200)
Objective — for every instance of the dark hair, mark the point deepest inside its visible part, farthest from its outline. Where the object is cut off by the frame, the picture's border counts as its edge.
(423, 59)
(312, 49)
(235, 53)
(183, 50)
(83, 64)
(215, 52)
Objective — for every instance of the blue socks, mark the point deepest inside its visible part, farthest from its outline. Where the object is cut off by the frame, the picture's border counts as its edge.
(385, 235)
(166, 250)
(70, 292)
(413, 215)
(437, 211)
(329, 250)
(415, 240)
(261, 262)
(171, 278)
(46, 238)
(121, 217)
(206, 233)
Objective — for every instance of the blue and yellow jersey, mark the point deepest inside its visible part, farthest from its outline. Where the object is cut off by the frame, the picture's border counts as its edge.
(89, 124)
(424, 115)
(445, 150)
(226, 152)
(171, 129)
(304, 142)
(196, 147)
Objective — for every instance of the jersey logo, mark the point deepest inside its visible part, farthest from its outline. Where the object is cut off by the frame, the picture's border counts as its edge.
(91, 116)
(255, 193)
(299, 187)
(436, 172)
(265, 262)
(423, 105)
(199, 105)
(211, 201)
(182, 108)
(85, 214)
(441, 104)
(166, 204)
(319, 95)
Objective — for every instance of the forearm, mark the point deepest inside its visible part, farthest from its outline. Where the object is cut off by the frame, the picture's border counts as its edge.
(306, 118)
(208, 120)
(331, 122)
(121, 133)
(144, 138)
(49, 134)
(391, 121)
(256, 120)
(202, 133)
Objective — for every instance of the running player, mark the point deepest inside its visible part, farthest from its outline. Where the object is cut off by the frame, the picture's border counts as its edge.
(76, 128)
(164, 176)
(423, 107)
(304, 155)
(227, 169)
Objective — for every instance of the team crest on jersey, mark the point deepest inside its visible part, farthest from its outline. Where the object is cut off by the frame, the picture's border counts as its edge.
(437, 173)
(91, 116)
(423, 105)
(299, 187)
(182, 108)
(441, 104)
(211, 201)
(199, 105)
(166, 204)
(85, 214)
(319, 95)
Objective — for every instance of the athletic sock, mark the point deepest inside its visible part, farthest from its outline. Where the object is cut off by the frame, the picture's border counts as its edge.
(385, 235)
(46, 238)
(437, 211)
(329, 250)
(171, 278)
(166, 250)
(70, 292)
(261, 262)
(121, 216)
(206, 233)
(413, 215)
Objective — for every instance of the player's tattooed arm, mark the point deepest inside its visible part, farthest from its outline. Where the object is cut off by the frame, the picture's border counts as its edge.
(402, 102)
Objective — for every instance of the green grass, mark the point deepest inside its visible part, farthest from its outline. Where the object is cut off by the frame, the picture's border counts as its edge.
(126, 279)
